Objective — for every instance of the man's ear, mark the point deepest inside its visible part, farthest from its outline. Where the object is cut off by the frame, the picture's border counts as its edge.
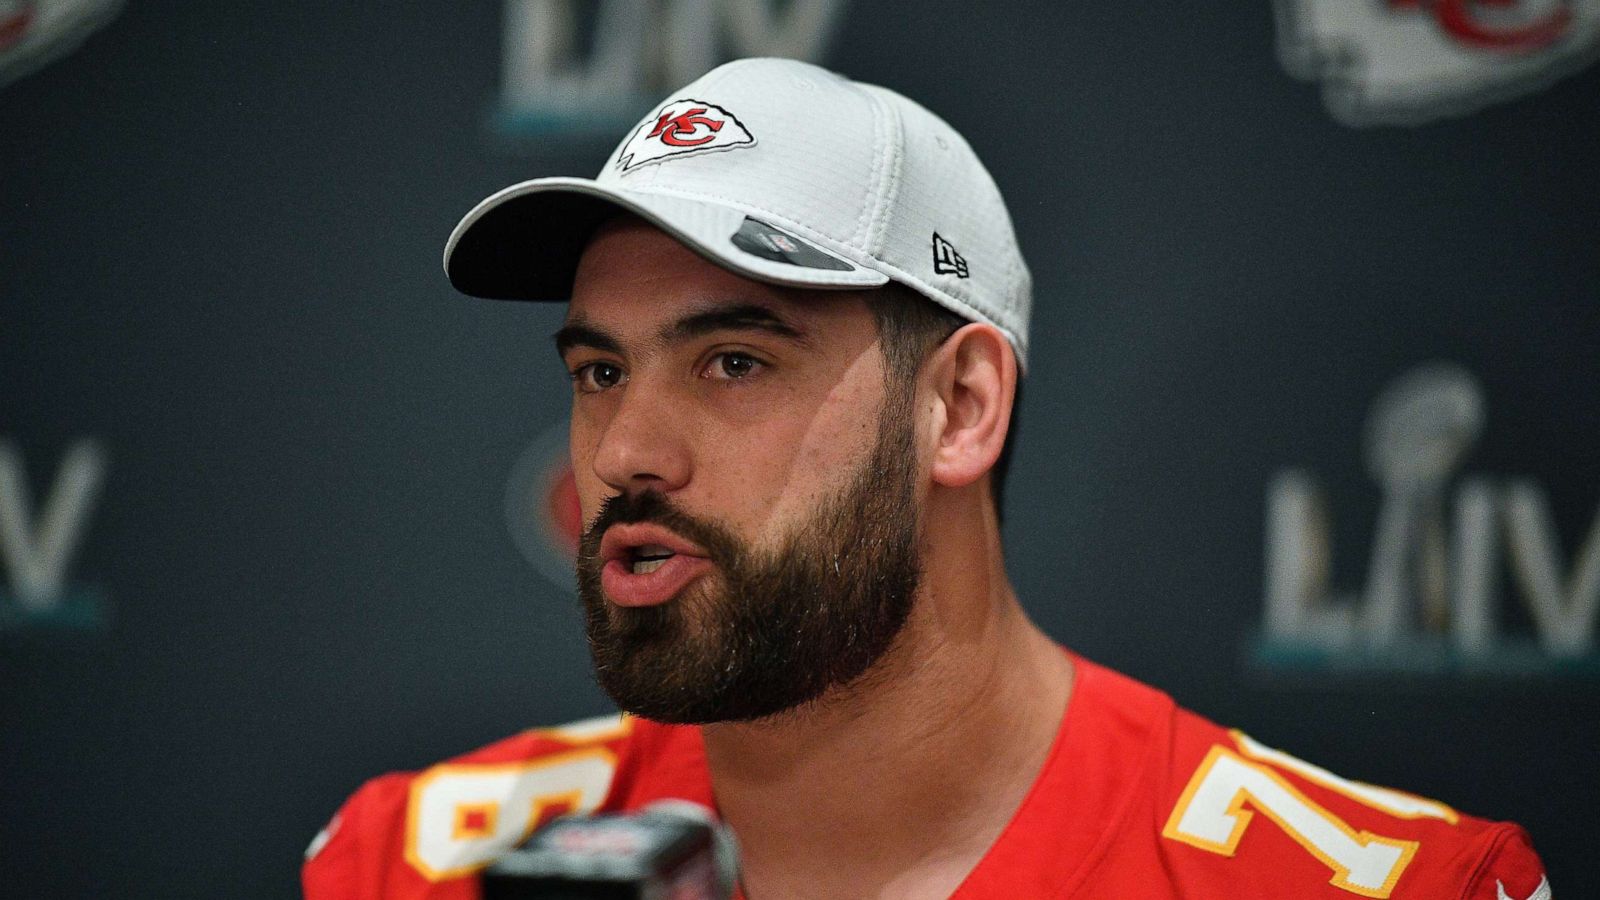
(974, 375)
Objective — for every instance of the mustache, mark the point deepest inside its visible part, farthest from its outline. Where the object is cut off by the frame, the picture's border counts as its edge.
(719, 542)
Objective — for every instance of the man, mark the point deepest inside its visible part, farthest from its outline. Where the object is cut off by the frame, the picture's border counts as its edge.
(797, 321)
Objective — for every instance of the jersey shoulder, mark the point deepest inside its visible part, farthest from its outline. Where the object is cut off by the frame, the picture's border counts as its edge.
(1234, 814)
(423, 834)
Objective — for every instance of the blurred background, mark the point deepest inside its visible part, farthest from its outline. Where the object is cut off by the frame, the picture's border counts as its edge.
(1310, 439)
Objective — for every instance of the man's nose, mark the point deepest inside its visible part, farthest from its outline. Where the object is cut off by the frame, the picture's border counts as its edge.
(643, 446)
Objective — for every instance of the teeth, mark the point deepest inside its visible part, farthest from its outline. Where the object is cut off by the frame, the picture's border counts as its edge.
(647, 558)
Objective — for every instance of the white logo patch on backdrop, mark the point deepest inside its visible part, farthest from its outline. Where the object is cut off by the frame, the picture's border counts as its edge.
(33, 32)
(1405, 62)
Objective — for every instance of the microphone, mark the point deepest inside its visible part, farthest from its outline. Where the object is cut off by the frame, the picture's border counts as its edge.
(668, 849)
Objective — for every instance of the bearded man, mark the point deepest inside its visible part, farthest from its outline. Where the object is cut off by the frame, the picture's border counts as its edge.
(797, 319)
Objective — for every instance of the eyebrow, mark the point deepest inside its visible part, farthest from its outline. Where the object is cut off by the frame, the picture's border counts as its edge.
(742, 317)
(577, 334)
(738, 317)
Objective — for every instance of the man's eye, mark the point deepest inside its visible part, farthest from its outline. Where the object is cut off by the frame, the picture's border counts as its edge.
(595, 377)
(732, 365)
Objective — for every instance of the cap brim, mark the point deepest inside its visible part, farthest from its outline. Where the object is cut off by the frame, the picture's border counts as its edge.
(523, 243)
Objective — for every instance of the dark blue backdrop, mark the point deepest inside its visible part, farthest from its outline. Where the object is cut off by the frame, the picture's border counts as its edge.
(220, 229)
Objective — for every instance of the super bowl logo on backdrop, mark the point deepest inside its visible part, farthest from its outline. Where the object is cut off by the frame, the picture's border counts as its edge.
(1431, 602)
(38, 543)
(33, 32)
(1410, 61)
(542, 512)
(554, 81)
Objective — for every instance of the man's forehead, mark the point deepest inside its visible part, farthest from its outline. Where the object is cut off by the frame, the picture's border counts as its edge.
(680, 324)
(634, 274)
(694, 310)
(629, 250)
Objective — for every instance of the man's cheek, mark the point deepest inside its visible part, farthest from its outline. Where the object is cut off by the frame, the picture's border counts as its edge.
(823, 458)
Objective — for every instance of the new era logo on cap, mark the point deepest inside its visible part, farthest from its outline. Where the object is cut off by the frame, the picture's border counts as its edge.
(682, 127)
(946, 261)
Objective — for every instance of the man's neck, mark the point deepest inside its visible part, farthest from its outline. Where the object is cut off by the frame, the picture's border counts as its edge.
(897, 786)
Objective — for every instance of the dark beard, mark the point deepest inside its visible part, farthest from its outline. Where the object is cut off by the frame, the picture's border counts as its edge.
(764, 633)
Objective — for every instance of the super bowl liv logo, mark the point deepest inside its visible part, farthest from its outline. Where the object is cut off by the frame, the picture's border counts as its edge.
(1441, 547)
(553, 81)
(39, 543)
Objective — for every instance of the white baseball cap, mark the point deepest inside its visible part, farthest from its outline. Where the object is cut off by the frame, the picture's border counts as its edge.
(780, 171)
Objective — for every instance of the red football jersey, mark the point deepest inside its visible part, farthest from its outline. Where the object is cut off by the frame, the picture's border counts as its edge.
(1138, 798)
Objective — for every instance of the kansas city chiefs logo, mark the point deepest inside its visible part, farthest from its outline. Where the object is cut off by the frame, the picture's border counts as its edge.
(33, 32)
(1410, 61)
(682, 127)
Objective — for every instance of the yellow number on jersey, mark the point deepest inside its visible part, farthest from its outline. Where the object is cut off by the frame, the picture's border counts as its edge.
(1210, 815)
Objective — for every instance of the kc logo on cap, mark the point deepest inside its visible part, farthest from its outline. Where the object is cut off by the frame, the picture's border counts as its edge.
(682, 127)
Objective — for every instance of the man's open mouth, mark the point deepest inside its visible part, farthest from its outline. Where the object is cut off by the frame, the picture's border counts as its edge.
(644, 564)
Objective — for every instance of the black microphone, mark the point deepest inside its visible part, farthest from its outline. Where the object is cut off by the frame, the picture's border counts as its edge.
(668, 850)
